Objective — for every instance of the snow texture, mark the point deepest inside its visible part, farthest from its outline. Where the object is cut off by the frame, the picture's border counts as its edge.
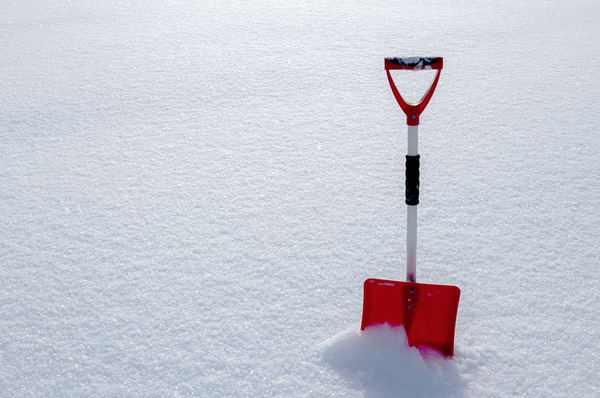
(193, 192)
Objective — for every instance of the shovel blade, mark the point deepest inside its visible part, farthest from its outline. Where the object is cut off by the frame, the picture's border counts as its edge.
(427, 312)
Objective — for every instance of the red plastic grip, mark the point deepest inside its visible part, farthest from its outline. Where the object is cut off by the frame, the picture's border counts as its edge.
(413, 111)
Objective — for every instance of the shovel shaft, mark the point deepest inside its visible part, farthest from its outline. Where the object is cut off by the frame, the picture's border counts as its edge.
(413, 141)
(411, 244)
(411, 213)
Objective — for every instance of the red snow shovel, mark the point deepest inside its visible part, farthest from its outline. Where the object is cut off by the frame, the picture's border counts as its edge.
(427, 312)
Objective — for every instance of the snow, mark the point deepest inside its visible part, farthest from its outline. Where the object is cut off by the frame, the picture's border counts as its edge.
(192, 194)
(383, 363)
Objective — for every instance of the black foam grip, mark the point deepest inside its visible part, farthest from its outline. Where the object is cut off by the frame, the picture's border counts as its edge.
(412, 180)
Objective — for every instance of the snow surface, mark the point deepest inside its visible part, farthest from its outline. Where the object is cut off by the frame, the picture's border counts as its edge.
(193, 192)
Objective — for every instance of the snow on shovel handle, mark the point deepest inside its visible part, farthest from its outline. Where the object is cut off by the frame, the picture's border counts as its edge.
(414, 63)
(413, 111)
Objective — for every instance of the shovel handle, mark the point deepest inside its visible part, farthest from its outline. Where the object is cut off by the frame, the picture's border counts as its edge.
(413, 111)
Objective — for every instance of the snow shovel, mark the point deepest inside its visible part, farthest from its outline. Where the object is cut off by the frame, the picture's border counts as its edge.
(427, 312)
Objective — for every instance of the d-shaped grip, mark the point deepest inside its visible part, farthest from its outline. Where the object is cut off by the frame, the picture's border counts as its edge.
(413, 111)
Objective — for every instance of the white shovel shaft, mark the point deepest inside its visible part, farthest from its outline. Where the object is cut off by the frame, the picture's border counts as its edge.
(411, 214)
(413, 140)
(411, 244)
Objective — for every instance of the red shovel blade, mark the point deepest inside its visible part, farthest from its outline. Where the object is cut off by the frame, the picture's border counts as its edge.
(427, 312)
